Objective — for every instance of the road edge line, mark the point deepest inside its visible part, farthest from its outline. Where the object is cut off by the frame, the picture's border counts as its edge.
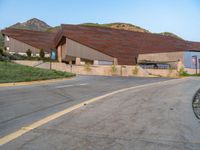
(33, 82)
(14, 135)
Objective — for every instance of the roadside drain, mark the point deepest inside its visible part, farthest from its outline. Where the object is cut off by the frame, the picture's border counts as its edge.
(196, 104)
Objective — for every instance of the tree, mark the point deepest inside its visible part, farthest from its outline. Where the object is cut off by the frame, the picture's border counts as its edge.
(42, 54)
(29, 53)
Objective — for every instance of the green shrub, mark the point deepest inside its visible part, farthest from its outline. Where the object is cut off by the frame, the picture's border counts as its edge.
(182, 72)
(4, 58)
(42, 54)
(29, 53)
(135, 70)
(113, 69)
(87, 67)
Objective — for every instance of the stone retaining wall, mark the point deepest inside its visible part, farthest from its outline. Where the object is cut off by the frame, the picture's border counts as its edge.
(105, 70)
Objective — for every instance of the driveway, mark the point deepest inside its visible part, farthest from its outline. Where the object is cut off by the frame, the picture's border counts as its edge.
(155, 116)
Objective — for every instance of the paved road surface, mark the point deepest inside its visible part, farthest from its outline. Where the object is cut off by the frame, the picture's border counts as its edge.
(151, 117)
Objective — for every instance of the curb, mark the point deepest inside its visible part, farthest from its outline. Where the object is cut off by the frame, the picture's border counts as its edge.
(33, 82)
(23, 130)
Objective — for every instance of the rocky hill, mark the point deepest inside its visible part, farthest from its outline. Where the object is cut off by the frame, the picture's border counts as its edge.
(32, 24)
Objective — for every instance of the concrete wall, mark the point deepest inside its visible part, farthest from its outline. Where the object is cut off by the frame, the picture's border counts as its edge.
(118, 70)
(76, 49)
(192, 71)
(162, 57)
(28, 62)
(16, 46)
(162, 72)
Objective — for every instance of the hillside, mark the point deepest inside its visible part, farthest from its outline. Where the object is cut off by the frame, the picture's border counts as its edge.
(32, 24)
(171, 34)
(129, 27)
(123, 26)
(39, 25)
(54, 29)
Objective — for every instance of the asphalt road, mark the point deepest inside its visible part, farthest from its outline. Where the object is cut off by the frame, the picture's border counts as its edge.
(152, 117)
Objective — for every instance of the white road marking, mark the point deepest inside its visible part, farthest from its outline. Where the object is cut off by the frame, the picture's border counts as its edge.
(70, 85)
(12, 136)
(84, 84)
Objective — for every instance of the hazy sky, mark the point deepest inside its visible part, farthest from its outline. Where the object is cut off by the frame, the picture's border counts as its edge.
(181, 17)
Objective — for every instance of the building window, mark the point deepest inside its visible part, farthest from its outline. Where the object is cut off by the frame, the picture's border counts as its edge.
(7, 38)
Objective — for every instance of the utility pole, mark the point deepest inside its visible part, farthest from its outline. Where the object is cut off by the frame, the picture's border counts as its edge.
(199, 65)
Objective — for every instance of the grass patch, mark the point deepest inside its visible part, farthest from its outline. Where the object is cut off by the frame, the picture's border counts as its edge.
(11, 72)
(190, 75)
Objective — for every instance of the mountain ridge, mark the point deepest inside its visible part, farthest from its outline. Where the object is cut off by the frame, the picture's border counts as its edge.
(39, 25)
(32, 24)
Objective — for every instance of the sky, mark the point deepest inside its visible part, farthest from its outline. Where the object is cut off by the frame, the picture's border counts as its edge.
(181, 17)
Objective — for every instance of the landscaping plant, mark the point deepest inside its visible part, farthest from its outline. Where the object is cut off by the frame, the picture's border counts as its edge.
(29, 53)
(42, 54)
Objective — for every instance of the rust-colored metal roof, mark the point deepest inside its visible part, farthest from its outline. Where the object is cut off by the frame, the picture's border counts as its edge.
(37, 39)
(193, 46)
(121, 44)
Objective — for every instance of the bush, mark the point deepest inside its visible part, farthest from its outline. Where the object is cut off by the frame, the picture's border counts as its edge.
(29, 53)
(113, 69)
(135, 70)
(4, 58)
(87, 67)
(42, 54)
(182, 72)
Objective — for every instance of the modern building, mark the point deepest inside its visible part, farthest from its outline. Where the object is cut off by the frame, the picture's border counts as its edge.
(19, 41)
(77, 44)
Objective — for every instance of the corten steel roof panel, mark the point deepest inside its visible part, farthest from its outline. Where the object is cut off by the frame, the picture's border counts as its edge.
(37, 39)
(121, 44)
(193, 46)
(124, 45)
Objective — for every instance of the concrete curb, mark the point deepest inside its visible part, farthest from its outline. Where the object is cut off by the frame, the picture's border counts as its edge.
(33, 82)
(23, 130)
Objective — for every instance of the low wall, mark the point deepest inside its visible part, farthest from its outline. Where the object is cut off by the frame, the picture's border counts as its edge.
(105, 70)
(98, 69)
(28, 62)
(162, 72)
(192, 71)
